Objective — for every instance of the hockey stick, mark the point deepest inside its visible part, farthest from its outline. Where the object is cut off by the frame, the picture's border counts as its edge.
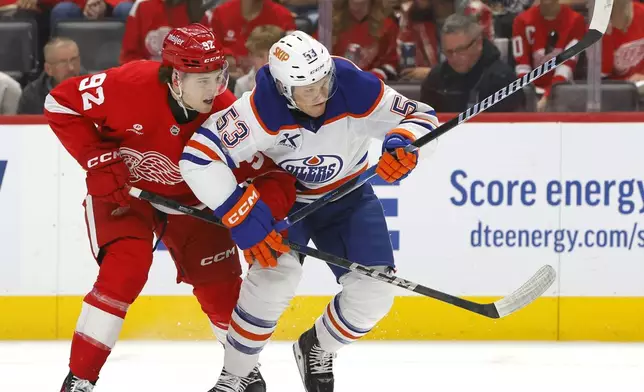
(601, 16)
(527, 293)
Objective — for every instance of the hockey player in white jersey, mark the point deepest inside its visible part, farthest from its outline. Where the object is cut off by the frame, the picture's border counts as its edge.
(314, 115)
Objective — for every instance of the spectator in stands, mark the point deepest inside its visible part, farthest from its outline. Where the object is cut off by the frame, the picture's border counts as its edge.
(39, 13)
(62, 61)
(150, 21)
(9, 94)
(540, 33)
(305, 8)
(420, 25)
(233, 21)
(365, 35)
(472, 72)
(623, 43)
(258, 44)
(90, 9)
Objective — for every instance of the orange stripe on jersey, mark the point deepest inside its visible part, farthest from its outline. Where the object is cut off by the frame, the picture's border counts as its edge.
(365, 114)
(402, 132)
(337, 326)
(201, 147)
(249, 335)
(330, 187)
(261, 123)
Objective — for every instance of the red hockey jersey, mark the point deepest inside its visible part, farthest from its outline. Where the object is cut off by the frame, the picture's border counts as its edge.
(532, 36)
(377, 55)
(623, 52)
(232, 30)
(129, 106)
(146, 27)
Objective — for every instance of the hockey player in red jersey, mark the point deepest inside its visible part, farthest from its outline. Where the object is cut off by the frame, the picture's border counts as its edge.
(128, 126)
(539, 34)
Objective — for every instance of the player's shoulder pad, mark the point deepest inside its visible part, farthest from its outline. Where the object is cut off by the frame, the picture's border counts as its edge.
(268, 105)
(361, 90)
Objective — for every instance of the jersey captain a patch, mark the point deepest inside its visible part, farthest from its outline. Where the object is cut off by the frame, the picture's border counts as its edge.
(318, 169)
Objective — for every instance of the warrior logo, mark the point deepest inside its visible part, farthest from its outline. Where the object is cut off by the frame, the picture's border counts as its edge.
(316, 169)
(150, 166)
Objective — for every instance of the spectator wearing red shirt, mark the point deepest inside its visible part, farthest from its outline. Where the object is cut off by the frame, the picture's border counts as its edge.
(542, 32)
(150, 21)
(365, 35)
(623, 43)
(233, 21)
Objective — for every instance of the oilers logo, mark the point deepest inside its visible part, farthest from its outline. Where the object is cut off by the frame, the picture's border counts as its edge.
(317, 169)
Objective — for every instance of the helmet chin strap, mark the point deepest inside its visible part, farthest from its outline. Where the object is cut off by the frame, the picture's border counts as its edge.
(179, 96)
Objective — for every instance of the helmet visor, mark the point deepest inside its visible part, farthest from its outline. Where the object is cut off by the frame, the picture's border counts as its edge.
(207, 84)
(316, 93)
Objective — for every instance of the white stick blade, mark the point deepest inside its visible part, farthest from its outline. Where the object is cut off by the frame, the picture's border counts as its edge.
(601, 15)
(531, 290)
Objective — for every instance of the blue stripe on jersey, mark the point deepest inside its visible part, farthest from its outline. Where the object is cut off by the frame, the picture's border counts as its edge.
(194, 159)
(213, 138)
(364, 158)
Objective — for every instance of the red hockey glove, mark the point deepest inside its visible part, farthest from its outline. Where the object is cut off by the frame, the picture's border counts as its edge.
(395, 163)
(251, 226)
(107, 178)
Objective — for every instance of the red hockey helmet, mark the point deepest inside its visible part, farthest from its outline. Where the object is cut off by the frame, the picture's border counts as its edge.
(193, 48)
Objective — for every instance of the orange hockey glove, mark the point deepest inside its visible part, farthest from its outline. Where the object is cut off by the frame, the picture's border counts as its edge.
(251, 226)
(395, 163)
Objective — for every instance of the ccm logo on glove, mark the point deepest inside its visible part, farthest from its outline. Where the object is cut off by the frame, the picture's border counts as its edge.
(103, 158)
(242, 207)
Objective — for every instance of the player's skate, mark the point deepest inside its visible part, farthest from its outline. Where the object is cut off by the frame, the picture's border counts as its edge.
(75, 384)
(230, 383)
(316, 365)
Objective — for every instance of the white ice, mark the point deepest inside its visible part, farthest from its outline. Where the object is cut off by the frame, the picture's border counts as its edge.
(367, 366)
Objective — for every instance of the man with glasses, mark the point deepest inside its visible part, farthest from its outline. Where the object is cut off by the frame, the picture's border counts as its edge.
(472, 70)
(62, 61)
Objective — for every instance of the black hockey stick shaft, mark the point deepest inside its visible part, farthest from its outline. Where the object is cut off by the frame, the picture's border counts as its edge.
(487, 310)
(588, 40)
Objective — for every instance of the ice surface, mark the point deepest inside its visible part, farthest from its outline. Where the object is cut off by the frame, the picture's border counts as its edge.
(366, 366)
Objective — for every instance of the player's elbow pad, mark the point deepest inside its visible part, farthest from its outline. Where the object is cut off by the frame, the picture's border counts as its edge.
(212, 183)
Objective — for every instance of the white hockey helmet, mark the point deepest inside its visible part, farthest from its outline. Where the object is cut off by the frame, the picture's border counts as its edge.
(299, 60)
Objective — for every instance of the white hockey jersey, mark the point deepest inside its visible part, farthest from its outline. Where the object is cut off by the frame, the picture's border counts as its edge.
(321, 153)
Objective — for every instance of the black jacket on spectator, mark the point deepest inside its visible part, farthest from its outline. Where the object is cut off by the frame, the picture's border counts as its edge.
(448, 91)
(33, 96)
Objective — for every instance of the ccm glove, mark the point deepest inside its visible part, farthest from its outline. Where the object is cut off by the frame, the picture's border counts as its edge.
(107, 177)
(395, 163)
(251, 225)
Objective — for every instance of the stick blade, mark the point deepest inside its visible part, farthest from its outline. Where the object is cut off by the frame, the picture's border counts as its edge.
(524, 295)
(601, 15)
